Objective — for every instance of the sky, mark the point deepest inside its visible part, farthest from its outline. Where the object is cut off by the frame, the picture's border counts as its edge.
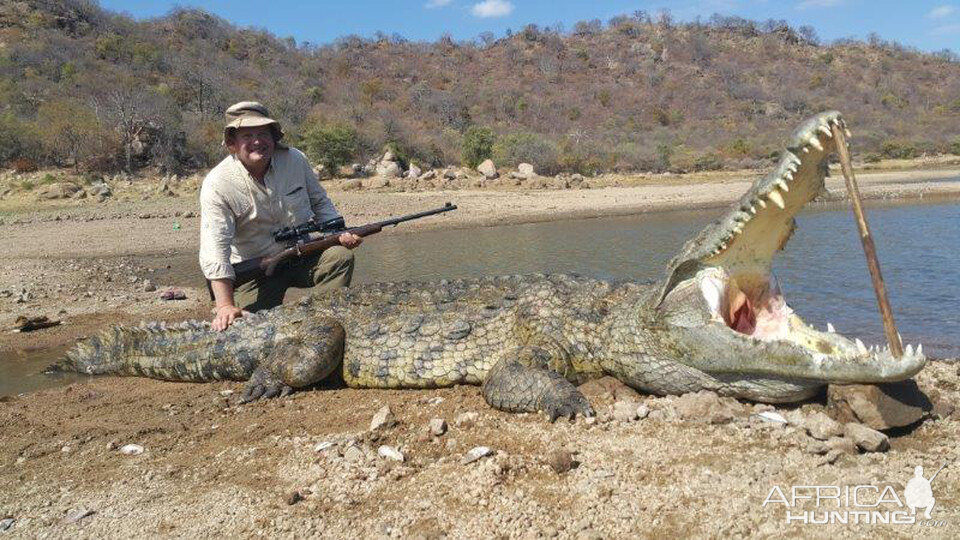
(928, 26)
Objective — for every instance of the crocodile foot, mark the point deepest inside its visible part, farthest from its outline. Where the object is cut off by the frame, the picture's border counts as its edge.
(522, 382)
(264, 384)
(563, 401)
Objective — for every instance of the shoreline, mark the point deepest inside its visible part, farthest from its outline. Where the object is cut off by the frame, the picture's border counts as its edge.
(88, 264)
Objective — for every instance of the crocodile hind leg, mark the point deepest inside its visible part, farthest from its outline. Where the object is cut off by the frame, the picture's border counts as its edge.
(298, 361)
(523, 382)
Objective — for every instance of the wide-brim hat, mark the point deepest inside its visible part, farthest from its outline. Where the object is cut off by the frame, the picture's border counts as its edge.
(250, 114)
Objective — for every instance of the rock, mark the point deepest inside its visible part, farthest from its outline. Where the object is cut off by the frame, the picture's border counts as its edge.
(842, 445)
(525, 170)
(820, 426)
(450, 174)
(352, 185)
(438, 426)
(390, 452)
(131, 449)
(466, 419)
(378, 182)
(642, 411)
(879, 406)
(413, 172)
(6, 523)
(389, 169)
(348, 171)
(429, 175)
(321, 446)
(173, 294)
(74, 516)
(561, 461)
(388, 157)
(148, 286)
(867, 439)
(354, 454)
(383, 419)
(625, 411)
(59, 190)
(293, 497)
(488, 169)
(476, 453)
(772, 417)
(708, 407)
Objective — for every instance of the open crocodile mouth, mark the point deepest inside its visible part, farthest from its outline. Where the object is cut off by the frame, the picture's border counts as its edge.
(730, 260)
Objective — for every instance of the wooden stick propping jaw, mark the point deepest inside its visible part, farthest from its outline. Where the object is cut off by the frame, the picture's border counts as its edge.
(889, 328)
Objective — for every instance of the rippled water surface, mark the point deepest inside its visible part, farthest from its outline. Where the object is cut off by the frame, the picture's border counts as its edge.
(823, 270)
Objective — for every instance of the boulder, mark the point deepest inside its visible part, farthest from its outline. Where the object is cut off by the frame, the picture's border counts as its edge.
(413, 172)
(879, 406)
(526, 170)
(429, 175)
(389, 169)
(488, 169)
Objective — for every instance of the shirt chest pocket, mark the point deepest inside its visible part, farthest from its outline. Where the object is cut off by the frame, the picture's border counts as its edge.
(296, 204)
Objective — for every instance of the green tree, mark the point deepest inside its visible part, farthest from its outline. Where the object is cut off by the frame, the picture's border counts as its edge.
(477, 145)
(330, 146)
(517, 148)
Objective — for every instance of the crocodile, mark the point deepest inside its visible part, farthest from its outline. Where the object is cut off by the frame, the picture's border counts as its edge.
(717, 321)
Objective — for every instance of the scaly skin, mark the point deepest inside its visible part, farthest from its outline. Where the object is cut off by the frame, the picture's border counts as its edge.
(715, 322)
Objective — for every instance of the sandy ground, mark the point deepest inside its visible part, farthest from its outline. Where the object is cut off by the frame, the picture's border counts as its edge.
(211, 468)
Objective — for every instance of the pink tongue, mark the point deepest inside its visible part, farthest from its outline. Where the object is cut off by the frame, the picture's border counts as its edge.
(744, 320)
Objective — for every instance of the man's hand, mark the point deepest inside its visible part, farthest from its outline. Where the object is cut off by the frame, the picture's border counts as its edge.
(350, 240)
(226, 315)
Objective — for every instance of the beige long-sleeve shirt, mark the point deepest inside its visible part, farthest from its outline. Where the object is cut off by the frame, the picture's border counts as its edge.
(238, 215)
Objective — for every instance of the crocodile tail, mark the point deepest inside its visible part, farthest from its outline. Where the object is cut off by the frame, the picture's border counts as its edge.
(151, 350)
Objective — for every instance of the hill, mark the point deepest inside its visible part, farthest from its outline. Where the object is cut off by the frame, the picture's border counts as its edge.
(85, 87)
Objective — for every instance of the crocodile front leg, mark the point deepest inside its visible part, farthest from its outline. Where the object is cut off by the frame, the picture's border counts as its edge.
(298, 361)
(523, 382)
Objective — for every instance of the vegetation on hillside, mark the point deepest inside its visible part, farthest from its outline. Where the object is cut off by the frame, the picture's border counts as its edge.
(87, 88)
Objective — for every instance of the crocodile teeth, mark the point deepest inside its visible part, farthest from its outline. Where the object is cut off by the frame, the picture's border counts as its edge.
(776, 198)
(738, 229)
(909, 350)
(806, 150)
(723, 246)
(761, 203)
(825, 130)
(753, 209)
(782, 184)
(861, 347)
(788, 175)
(815, 142)
(919, 349)
(847, 133)
(831, 329)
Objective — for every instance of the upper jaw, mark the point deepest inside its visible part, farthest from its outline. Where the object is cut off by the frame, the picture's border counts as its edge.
(730, 260)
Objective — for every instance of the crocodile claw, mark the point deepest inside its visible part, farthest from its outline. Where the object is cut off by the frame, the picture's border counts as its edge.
(262, 384)
(567, 405)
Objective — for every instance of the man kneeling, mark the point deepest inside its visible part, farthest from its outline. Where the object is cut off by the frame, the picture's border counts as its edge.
(262, 186)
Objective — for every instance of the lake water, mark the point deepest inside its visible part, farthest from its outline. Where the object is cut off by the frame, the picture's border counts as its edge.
(823, 271)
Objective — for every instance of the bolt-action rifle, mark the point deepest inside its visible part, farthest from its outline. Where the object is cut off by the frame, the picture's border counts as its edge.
(302, 241)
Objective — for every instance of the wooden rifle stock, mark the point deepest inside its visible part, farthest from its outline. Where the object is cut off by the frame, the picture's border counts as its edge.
(266, 266)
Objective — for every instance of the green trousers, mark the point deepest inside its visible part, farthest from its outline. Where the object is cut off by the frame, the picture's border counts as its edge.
(330, 269)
